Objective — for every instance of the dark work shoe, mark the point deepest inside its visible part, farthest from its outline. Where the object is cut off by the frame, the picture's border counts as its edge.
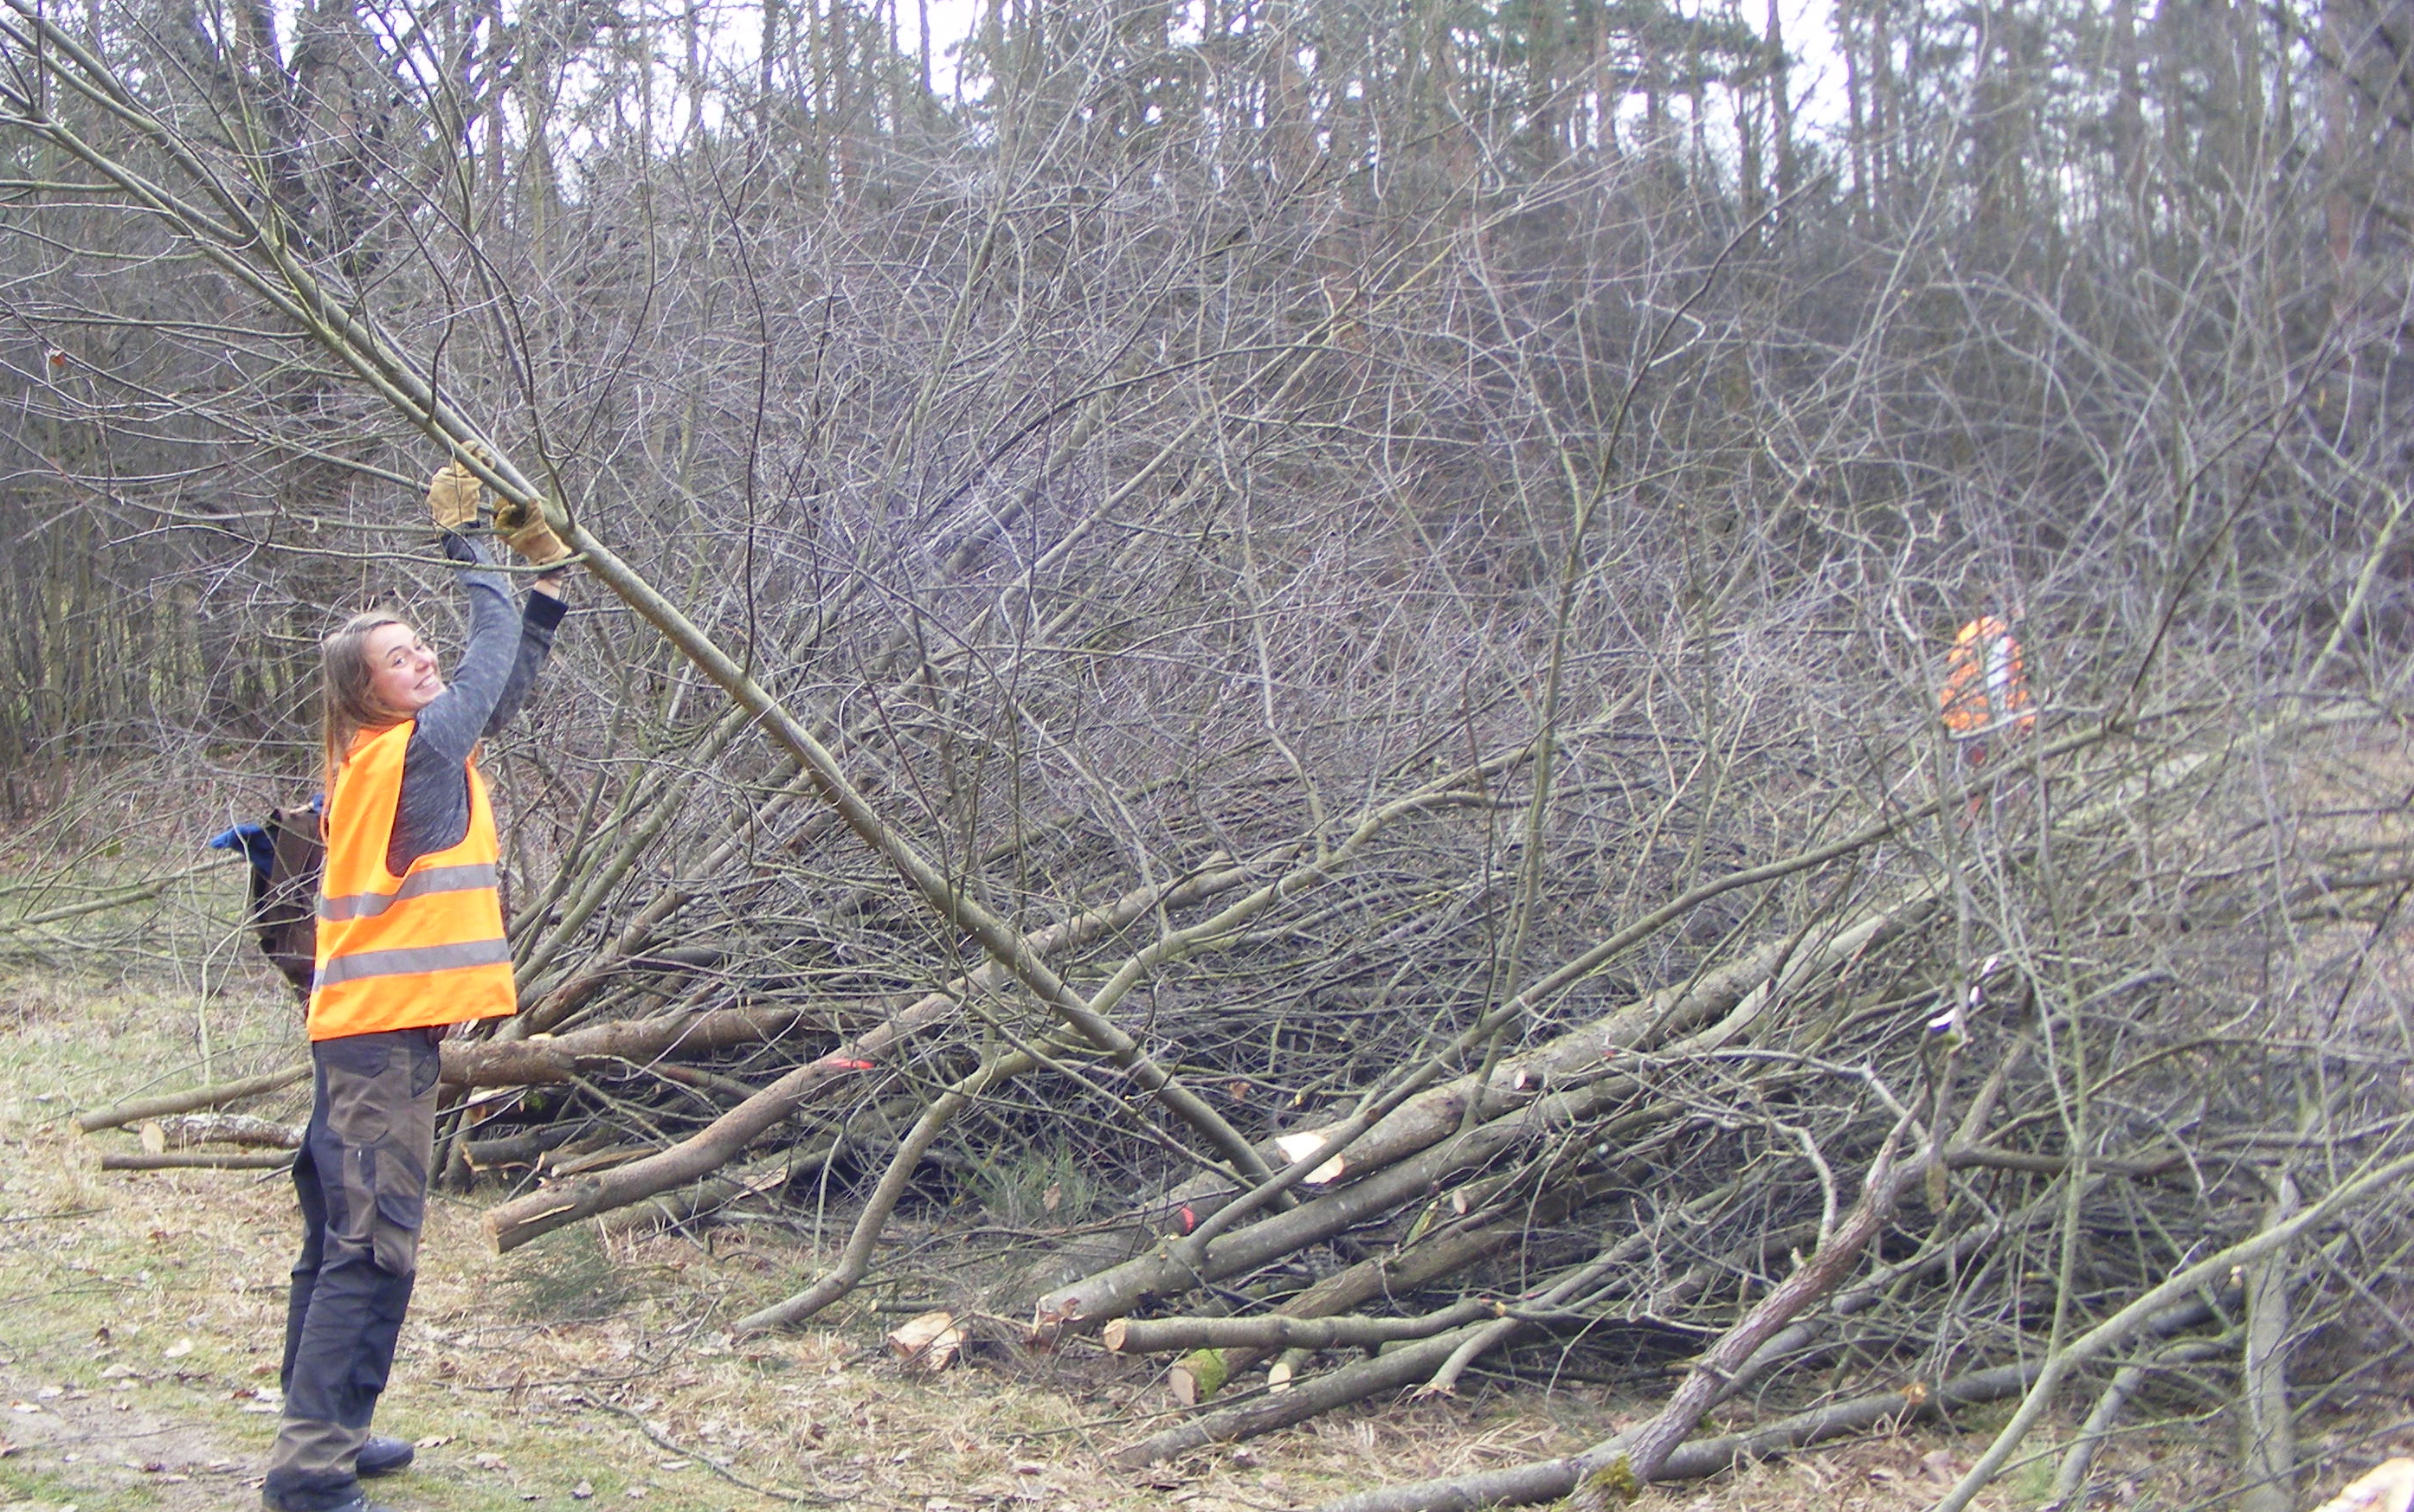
(382, 1456)
(358, 1504)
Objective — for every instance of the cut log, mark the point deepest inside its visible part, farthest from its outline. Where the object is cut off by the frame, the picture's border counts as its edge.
(194, 1160)
(523, 1148)
(1298, 1147)
(928, 1342)
(1197, 1376)
(1280, 1373)
(1395, 1370)
(223, 1094)
(2388, 1486)
(543, 1059)
(1273, 1331)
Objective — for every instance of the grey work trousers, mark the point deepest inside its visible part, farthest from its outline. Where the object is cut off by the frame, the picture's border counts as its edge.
(362, 1176)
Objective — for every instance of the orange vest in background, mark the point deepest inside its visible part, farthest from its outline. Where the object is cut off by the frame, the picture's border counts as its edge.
(414, 951)
(1986, 688)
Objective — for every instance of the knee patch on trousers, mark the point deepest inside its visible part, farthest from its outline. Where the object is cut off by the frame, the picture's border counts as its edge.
(383, 1123)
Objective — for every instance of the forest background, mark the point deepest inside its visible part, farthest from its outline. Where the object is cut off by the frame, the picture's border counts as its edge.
(1250, 568)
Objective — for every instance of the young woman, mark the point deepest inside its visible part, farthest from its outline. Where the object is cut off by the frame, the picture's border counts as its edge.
(410, 942)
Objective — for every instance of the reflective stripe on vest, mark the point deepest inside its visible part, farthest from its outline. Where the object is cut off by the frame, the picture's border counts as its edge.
(434, 880)
(411, 960)
(414, 951)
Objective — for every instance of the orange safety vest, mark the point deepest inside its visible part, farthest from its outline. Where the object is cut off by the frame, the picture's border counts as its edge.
(414, 951)
(1986, 687)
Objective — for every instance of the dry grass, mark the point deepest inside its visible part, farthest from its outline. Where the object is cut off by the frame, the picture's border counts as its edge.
(141, 1315)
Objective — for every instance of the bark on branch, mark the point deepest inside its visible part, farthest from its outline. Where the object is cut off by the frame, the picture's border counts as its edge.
(222, 1094)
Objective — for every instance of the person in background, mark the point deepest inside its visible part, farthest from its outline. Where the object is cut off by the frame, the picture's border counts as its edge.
(1986, 689)
(1984, 698)
(409, 943)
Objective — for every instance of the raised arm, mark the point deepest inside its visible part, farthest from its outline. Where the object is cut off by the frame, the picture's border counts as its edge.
(458, 716)
(539, 617)
(487, 686)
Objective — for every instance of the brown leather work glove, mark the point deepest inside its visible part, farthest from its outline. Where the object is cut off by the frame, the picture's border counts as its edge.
(523, 528)
(453, 496)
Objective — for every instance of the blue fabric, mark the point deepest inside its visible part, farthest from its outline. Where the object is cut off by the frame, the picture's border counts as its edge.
(255, 843)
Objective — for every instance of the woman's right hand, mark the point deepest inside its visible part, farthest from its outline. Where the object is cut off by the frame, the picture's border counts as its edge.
(453, 496)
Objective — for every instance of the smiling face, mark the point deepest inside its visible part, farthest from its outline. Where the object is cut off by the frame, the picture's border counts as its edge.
(403, 676)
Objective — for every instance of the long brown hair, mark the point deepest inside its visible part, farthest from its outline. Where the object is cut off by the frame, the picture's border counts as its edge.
(347, 704)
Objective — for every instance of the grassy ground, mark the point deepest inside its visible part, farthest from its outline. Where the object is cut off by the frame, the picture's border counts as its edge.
(140, 1317)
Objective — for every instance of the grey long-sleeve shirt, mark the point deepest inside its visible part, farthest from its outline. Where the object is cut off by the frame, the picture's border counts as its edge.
(487, 686)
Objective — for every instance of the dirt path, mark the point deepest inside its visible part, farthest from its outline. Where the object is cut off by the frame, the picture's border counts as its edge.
(68, 1446)
(114, 1391)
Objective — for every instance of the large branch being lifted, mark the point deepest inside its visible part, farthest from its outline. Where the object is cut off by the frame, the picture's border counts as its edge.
(1464, 1200)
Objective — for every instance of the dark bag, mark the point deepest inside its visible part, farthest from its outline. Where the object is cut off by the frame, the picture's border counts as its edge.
(285, 902)
(286, 857)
